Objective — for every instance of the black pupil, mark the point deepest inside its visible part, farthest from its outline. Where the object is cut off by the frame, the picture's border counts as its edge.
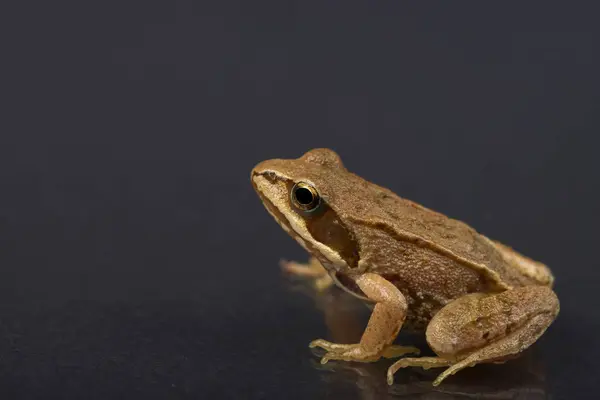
(304, 196)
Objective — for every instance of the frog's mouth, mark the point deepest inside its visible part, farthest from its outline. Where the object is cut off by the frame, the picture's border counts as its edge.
(273, 191)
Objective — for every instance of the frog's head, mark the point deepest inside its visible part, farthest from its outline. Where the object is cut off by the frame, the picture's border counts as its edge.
(306, 197)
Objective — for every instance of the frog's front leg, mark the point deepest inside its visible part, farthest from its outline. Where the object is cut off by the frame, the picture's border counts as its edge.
(312, 270)
(479, 328)
(383, 327)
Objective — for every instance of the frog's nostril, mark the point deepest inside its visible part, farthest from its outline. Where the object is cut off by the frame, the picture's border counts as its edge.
(269, 176)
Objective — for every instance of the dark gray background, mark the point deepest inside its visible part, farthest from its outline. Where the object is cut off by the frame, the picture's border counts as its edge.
(135, 259)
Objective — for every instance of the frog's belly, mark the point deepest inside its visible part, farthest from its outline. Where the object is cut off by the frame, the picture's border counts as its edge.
(417, 317)
(419, 314)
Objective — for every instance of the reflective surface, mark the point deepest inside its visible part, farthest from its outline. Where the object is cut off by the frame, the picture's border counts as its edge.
(170, 347)
(136, 260)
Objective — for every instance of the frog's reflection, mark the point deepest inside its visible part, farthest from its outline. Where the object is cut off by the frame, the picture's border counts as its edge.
(344, 318)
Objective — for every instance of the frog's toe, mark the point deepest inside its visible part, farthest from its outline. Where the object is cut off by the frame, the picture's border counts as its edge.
(329, 346)
(423, 362)
(345, 352)
(356, 354)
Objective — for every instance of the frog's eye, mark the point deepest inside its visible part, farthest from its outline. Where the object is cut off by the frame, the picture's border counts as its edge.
(305, 197)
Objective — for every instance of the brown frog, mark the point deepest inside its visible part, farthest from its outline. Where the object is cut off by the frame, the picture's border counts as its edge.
(476, 299)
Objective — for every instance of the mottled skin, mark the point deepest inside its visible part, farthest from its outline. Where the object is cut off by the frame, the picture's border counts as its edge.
(477, 300)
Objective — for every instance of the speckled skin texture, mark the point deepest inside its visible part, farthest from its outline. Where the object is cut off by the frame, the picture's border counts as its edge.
(477, 300)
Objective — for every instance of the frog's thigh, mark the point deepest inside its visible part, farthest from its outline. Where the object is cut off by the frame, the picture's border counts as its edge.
(485, 328)
(386, 320)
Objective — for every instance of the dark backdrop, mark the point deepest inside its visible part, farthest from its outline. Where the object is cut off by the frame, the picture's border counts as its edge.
(135, 259)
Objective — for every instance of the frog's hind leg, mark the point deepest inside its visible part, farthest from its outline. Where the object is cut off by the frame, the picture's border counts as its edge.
(480, 328)
(533, 270)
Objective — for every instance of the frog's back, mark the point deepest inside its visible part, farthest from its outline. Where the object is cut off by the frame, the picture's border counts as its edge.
(457, 240)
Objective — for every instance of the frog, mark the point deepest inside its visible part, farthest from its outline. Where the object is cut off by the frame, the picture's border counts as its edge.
(475, 299)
